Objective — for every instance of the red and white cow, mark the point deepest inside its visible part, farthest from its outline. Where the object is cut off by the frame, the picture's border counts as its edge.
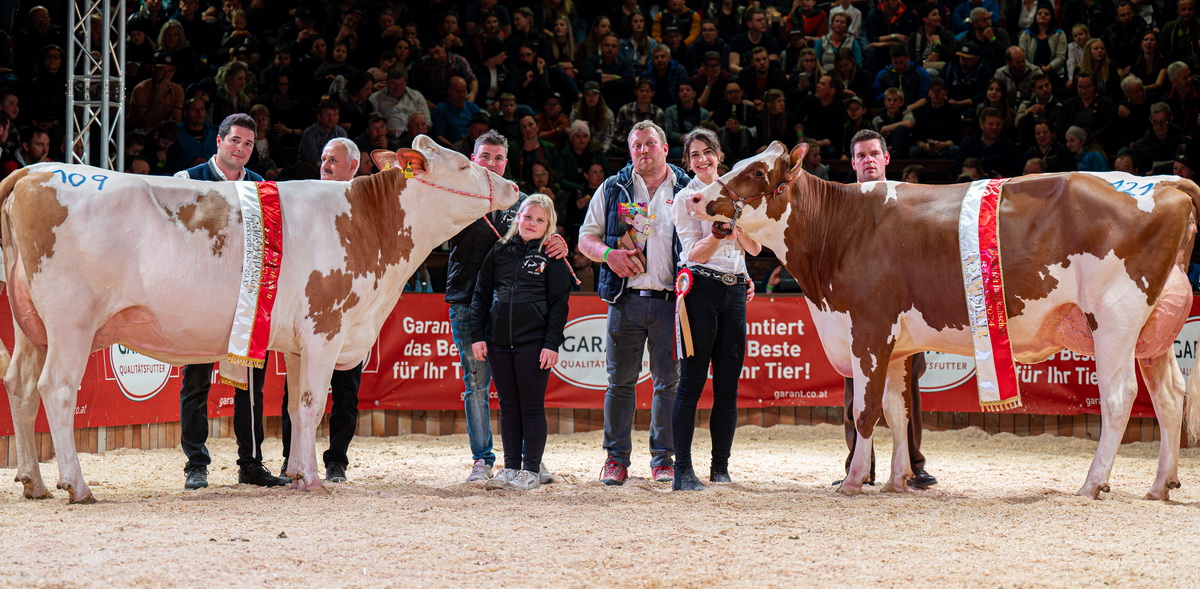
(1092, 262)
(95, 258)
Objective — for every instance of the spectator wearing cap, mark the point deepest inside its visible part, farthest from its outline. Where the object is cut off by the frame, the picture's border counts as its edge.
(432, 74)
(397, 102)
(966, 80)
(1185, 164)
(673, 40)
(708, 41)
(762, 75)
(593, 110)
(992, 41)
(572, 163)
(553, 125)
(665, 74)
(139, 44)
(452, 115)
(677, 15)
(937, 129)
(615, 76)
(314, 138)
(710, 81)
(494, 78)
(300, 30)
(157, 99)
(905, 74)
(756, 35)
(1089, 110)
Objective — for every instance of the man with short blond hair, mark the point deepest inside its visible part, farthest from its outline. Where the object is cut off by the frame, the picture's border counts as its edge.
(637, 281)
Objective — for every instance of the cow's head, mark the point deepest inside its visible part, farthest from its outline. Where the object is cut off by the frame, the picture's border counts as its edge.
(754, 194)
(448, 171)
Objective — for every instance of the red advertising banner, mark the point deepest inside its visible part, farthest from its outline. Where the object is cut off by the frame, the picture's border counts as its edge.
(415, 366)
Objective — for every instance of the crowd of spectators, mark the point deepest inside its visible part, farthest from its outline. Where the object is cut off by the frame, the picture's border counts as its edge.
(1000, 89)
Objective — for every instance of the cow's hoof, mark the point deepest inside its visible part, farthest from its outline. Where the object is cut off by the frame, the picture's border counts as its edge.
(847, 490)
(1157, 496)
(87, 499)
(1173, 485)
(32, 490)
(1093, 492)
(305, 483)
(890, 488)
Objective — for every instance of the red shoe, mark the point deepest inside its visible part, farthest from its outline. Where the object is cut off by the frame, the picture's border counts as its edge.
(663, 474)
(613, 473)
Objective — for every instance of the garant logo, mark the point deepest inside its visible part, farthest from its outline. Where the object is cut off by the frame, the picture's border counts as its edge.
(1185, 346)
(946, 371)
(139, 377)
(581, 359)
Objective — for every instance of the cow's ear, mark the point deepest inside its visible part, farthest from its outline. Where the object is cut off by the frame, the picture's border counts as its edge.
(383, 158)
(797, 156)
(411, 159)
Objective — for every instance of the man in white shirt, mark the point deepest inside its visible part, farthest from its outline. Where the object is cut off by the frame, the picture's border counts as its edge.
(397, 102)
(637, 280)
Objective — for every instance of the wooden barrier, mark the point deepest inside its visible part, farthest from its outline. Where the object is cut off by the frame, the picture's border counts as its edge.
(386, 423)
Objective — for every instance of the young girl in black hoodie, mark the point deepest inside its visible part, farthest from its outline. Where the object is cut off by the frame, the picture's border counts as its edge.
(519, 311)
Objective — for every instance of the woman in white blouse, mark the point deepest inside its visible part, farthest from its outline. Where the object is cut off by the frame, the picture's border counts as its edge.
(716, 314)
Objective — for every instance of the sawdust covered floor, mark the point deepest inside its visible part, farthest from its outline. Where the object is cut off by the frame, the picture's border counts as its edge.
(1004, 515)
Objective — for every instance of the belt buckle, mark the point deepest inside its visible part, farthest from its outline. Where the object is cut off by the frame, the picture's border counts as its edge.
(729, 279)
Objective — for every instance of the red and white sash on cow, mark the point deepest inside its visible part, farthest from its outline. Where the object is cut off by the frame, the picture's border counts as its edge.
(979, 246)
(263, 224)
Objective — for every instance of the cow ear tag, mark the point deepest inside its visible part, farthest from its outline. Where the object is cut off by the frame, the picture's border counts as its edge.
(408, 171)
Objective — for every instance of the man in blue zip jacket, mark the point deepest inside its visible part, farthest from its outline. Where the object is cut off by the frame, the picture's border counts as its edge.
(235, 143)
(637, 281)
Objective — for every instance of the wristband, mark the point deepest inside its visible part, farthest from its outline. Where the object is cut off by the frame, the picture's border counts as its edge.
(770, 288)
(606, 251)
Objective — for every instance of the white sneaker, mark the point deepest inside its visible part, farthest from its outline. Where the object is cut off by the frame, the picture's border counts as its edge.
(502, 478)
(480, 472)
(546, 477)
(524, 481)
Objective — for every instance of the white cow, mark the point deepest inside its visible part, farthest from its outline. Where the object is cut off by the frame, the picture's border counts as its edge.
(96, 258)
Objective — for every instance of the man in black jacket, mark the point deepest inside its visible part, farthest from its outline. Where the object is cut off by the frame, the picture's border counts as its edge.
(467, 250)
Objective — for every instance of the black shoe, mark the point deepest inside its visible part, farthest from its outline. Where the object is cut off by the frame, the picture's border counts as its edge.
(197, 477)
(283, 469)
(719, 476)
(257, 474)
(870, 483)
(921, 479)
(686, 480)
(335, 473)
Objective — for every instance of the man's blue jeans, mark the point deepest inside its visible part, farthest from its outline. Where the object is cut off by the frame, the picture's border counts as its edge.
(477, 378)
(633, 323)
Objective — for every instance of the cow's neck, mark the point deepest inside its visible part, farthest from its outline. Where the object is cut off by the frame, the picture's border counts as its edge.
(826, 219)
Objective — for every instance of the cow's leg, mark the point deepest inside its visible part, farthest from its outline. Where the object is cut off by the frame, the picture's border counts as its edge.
(1165, 383)
(21, 383)
(868, 389)
(895, 410)
(306, 405)
(1118, 387)
(59, 385)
